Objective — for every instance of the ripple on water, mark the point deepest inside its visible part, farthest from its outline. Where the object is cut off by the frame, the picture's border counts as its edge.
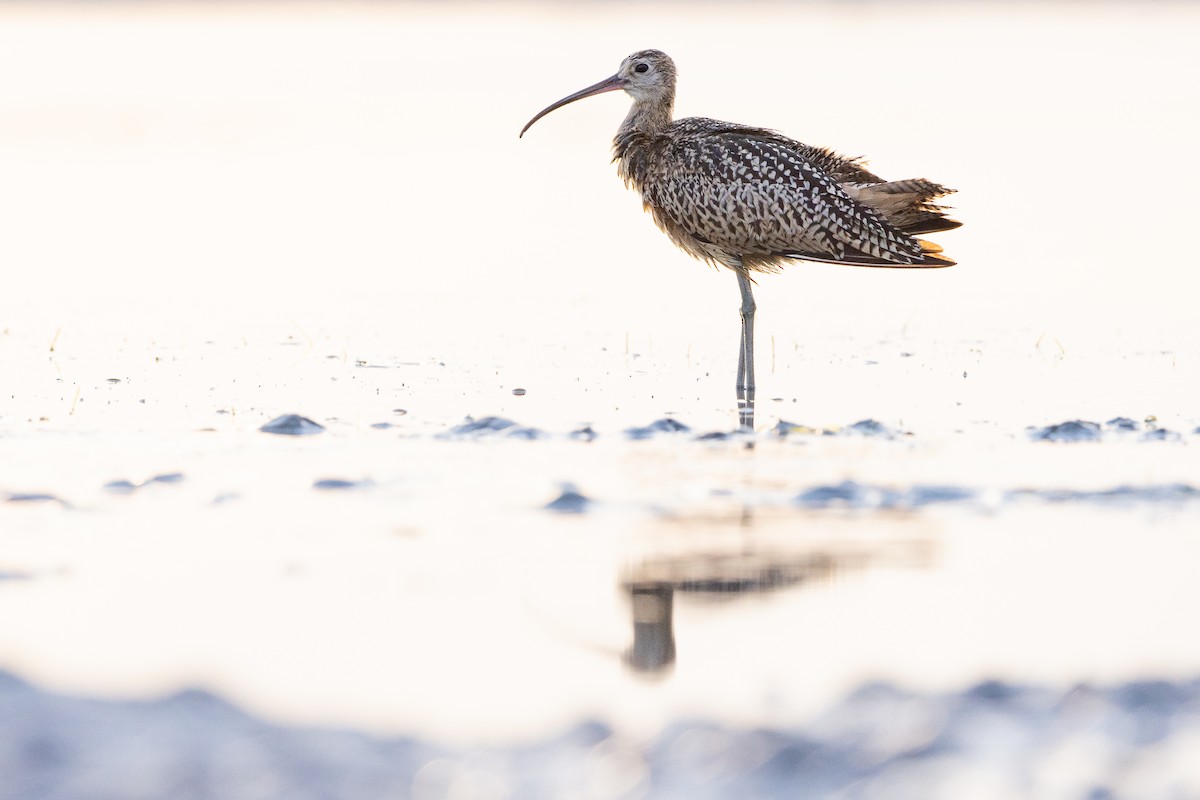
(489, 426)
(1081, 430)
(339, 483)
(34, 497)
(871, 427)
(292, 425)
(659, 426)
(1152, 494)
(864, 427)
(1075, 430)
(123, 486)
(584, 434)
(851, 494)
(570, 501)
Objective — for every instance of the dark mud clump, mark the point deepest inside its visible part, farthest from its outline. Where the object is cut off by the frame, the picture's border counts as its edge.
(659, 426)
(292, 425)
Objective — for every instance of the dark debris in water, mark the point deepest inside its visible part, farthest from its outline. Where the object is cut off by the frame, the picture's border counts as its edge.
(292, 425)
(659, 426)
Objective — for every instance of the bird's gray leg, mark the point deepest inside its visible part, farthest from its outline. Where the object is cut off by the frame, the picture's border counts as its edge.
(745, 377)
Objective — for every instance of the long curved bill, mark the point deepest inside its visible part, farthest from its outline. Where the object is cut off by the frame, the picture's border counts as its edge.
(606, 85)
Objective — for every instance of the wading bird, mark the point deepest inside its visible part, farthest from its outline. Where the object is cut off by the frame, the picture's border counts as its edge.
(751, 200)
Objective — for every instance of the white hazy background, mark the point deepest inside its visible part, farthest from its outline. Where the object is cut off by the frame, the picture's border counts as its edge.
(222, 164)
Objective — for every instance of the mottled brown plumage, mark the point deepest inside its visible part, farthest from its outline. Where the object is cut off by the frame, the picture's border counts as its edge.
(751, 199)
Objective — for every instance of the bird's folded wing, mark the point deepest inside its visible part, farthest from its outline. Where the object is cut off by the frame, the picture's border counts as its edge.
(753, 192)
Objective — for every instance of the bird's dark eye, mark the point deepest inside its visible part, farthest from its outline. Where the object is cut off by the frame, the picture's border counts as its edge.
(642, 68)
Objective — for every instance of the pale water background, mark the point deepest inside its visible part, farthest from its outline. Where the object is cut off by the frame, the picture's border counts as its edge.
(215, 214)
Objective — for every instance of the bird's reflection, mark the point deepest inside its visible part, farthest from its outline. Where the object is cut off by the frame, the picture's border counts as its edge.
(653, 648)
(652, 583)
(651, 589)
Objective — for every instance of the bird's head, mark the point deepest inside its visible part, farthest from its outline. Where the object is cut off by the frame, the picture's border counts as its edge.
(647, 75)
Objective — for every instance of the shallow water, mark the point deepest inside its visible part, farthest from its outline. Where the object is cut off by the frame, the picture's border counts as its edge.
(528, 505)
(1129, 740)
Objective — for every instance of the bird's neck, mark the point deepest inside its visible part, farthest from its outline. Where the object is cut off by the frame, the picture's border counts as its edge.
(648, 117)
(634, 144)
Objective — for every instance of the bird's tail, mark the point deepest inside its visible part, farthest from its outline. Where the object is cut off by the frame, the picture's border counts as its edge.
(931, 253)
(907, 204)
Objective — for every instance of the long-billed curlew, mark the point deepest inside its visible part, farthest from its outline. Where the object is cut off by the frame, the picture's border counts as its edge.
(750, 199)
